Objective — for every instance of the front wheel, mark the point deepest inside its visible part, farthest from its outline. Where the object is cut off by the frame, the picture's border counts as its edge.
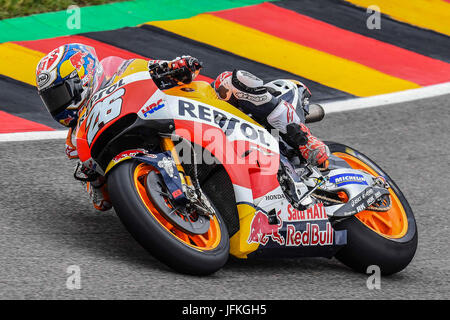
(197, 254)
(388, 238)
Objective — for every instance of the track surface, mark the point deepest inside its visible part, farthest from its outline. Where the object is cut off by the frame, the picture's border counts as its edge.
(47, 224)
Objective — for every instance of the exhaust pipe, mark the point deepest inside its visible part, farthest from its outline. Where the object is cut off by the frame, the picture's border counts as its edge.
(316, 113)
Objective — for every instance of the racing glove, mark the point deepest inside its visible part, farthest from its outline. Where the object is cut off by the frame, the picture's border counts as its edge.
(181, 70)
(98, 192)
(71, 148)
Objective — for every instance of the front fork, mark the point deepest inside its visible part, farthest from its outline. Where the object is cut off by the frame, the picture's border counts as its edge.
(192, 192)
(168, 145)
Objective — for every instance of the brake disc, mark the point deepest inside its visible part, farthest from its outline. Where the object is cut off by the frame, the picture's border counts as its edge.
(180, 216)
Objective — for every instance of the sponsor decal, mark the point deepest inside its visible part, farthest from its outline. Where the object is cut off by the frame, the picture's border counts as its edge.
(67, 116)
(167, 165)
(228, 124)
(77, 60)
(261, 229)
(74, 62)
(148, 110)
(316, 212)
(300, 228)
(108, 90)
(348, 178)
(126, 154)
(274, 197)
(250, 97)
(42, 79)
(177, 193)
(364, 199)
(360, 202)
(311, 236)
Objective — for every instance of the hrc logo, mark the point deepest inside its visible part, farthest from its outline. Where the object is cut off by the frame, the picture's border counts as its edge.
(152, 108)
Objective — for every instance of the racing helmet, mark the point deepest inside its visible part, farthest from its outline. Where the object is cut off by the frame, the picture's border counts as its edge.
(66, 78)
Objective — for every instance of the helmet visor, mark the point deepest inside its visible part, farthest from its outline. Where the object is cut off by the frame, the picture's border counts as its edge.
(59, 97)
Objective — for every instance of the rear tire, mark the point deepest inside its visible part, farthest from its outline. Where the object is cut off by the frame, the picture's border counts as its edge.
(150, 233)
(366, 247)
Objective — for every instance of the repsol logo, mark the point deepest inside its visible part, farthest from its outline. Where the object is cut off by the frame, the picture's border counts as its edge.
(97, 96)
(228, 124)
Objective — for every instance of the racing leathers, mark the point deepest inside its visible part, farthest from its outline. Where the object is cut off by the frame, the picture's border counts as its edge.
(248, 93)
(96, 188)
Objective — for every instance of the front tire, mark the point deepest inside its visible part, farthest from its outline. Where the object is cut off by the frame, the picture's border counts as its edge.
(368, 244)
(182, 252)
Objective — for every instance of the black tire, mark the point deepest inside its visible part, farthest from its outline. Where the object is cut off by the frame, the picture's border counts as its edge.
(364, 246)
(155, 238)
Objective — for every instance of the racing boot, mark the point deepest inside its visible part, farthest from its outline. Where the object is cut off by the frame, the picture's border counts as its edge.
(98, 193)
(313, 150)
(285, 119)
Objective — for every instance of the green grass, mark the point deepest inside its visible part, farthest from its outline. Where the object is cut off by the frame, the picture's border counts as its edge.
(19, 8)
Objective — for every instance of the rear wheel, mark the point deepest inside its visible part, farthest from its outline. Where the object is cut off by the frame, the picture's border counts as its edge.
(198, 254)
(386, 238)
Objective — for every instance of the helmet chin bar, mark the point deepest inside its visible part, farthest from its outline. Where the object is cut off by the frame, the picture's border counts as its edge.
(78, 92)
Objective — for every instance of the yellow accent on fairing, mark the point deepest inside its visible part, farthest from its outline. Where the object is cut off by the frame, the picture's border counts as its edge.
(428, 14)
(203, 92)
(113, 163)
(239, 247)
(137, 65)
(322, 67)
(19, 63)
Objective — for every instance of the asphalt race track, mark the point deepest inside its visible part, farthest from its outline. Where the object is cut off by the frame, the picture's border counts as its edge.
(47, 224)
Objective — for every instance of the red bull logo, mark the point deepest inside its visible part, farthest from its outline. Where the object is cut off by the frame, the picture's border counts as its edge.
(261, 229)
(77, 60)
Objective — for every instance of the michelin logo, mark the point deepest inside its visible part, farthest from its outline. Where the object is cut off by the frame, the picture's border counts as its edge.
(348, 178)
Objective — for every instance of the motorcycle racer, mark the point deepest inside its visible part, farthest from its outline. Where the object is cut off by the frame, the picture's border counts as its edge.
(248, 93)
(70, 75)
(66, 79)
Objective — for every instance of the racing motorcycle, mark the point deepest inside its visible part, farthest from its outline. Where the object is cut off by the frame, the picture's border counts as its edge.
(194, 179)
